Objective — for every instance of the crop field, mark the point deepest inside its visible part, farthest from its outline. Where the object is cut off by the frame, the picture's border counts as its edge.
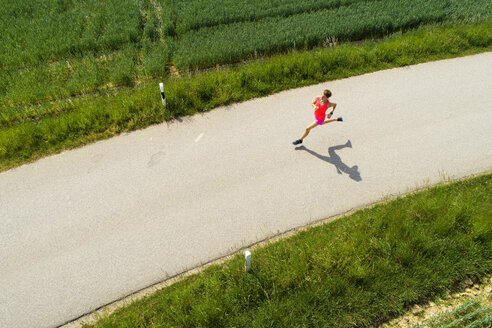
(37, 31)
(312, 26)
(52, 50)
(192, 15)
(58, 49)
(93, 60)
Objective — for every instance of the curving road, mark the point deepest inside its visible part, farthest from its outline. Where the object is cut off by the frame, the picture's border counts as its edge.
(89, 226)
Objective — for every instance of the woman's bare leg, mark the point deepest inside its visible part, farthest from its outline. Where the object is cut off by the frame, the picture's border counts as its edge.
(312, 126)
(308, 129)
(330, 120)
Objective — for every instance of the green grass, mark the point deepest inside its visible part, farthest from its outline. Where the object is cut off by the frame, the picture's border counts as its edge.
(244, 40)
(38, 31)
(358, 271)
(30, 132)
(53, 50)
(215, 12)
(67, 78)
(58, 49)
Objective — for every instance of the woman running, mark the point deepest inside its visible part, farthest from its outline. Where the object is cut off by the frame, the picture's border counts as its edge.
(321, 105)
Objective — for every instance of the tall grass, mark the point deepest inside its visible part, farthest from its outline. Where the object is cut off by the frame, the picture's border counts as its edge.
(70, 77)
(125, 46)
(195, 14)
(358, 271)
(53, 50)
(113, 112)
(36, 31)
(263, 77)
(156, 50)
(233, 42)
(51, 81)
(85, 120)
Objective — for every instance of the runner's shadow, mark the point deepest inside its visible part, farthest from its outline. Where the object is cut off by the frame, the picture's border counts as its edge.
(334, 159)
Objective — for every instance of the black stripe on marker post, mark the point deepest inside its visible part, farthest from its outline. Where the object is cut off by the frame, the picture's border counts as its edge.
(163, 96)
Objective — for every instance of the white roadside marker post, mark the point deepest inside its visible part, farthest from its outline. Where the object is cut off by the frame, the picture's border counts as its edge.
(163, 97)
(247, 261)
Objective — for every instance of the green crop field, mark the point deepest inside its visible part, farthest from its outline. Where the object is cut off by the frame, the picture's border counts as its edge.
(363, 19)
(195, 14)
(52, 50)
(37, 31)
(74, 58)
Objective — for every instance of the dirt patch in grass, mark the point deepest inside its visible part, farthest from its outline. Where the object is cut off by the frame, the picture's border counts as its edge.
(419, 314)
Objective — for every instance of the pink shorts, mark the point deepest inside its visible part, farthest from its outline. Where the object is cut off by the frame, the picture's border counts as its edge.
(319, 122)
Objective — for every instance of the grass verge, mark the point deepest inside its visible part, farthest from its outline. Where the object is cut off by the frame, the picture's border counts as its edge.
(358, 271)
(28, 134)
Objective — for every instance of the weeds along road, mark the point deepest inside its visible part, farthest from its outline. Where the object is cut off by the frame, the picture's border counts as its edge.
(89, 226)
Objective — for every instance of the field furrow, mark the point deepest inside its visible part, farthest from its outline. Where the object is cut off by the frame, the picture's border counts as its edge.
(234, 42)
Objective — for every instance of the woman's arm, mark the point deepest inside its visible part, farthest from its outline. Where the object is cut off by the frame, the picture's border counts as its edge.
(314, 103)
(332, 105)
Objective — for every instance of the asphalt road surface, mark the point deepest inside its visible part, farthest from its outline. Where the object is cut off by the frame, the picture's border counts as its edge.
(86, 227)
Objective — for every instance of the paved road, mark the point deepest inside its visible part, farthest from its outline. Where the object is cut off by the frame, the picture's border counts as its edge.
(83, 228)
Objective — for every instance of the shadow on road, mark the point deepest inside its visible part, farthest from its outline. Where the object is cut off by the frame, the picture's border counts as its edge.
(334, 159)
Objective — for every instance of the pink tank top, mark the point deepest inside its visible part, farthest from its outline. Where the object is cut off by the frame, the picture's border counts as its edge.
(320, 113)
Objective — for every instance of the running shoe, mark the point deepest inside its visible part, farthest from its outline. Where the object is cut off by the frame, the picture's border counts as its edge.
(298, 141)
